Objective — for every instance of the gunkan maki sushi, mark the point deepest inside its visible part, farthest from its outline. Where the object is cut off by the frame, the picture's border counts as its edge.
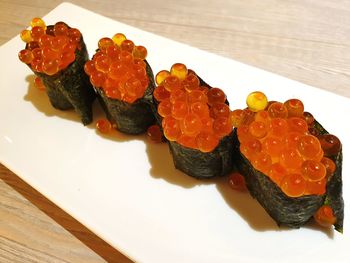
(195, 120)
(124, 83)
(57, 55)
(290, 163)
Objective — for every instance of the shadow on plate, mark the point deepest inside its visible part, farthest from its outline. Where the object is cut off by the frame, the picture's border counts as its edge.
(254, 214)
(41, 102)
(247, 207)
(162, 167)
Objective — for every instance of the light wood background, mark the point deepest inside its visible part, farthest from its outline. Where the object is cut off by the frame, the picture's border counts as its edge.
(305, 40)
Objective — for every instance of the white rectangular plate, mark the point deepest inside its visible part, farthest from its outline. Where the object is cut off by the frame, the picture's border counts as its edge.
(126, 189)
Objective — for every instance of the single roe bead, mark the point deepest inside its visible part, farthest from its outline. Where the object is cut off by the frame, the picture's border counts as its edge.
(39, 83)
(105, 43)
(191, 82)
(330, 144)
(179, 70)
(309, 146)
(26, 36)
(297, 124)
(313, 170)
(294, 107)
(171, 129)
(127, 45)
(237, 182)
(325, 216)
(216, 95)
(191, 125)
(293, 185)
(160, 93)
(26, 56)
(250, 147)
(200, 109)
(97, 78)
(172, 83)
(164, 108)
(279, 127)
(118, 39)
(89, 67)
(256, 101)
(161, 76)
(330, 166)
(154, 133)
(262, 162)
(140, 52)
(74, 35)
(258, 129)
(291, 159)
(206, 141)
(277, 110)
(60, 29)
(219, 110)
(291, 139)
(36, 21)
(50, 67)
(103, 126)
(179, 109)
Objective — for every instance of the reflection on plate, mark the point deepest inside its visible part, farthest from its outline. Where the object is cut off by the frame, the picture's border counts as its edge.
(126, 189)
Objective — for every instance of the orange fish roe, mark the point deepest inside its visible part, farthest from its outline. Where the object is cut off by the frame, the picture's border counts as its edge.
(104, 126)
(154, 133)
(237, 182)
(325, 216)
(49, 49)
(118, 68)
(193, 115)
(39, 83)
(280, 142)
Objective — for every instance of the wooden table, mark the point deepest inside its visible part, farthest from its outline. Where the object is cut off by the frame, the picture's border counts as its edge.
(305, 40)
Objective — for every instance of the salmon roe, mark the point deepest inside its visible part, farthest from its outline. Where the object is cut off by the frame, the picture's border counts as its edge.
(49, 49)
(154, 133)
(119, 69)
(194, 116)
(39, 83)
(279, 140)
(325, 216)
(103, 126)
(237, 182)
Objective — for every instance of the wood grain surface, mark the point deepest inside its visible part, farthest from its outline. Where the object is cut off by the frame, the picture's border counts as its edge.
(305, 40)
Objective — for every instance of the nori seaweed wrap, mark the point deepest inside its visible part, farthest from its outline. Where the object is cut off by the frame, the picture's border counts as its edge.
(297, 210)
(124, 82)
(200, 138)
(57, 55)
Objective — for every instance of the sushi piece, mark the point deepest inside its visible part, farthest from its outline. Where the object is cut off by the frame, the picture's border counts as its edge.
(57, 54)
(195, 120)
(290, 163)
(124, 83)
